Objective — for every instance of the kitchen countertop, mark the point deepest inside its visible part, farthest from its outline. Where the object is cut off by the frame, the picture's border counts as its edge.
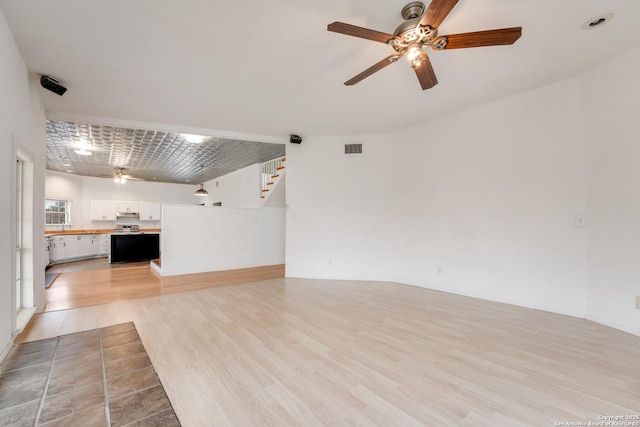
(101, 231)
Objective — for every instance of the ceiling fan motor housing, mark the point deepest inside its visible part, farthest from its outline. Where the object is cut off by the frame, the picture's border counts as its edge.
(413, 10)
(411, 14)
(412, 32)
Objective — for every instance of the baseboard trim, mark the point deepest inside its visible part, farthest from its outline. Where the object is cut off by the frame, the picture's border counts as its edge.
(6, 350)
(549, 309)
(612, 324)
(555, 310)
(156, 268)
(23, 317)
(22, 320)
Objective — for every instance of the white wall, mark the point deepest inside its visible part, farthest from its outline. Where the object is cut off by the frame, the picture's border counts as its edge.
(481, 203)
(22, 126)
(65, 186)
(277, 195)
(339, 209)
(82, 190)
(485, 201)
(143, 191)
(203, 238)
(238, 189)
(611, 94)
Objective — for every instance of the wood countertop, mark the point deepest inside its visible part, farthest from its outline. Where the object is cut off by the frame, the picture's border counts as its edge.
(100, 231)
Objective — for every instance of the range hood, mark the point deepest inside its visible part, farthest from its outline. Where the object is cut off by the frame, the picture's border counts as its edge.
(127, 215)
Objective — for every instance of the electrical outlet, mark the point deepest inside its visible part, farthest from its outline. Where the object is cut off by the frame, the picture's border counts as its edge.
(638, 302)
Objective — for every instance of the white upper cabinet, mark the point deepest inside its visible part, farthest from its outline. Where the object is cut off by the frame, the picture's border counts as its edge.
(103, 210)
(106, 210)
(150, 211)
(129, 207)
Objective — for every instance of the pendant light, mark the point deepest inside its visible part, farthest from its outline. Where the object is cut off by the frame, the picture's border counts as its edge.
(201, 191)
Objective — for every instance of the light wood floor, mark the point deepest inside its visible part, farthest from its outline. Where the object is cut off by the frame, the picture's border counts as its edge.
(92, 264)
(85, 288)
(294, 352)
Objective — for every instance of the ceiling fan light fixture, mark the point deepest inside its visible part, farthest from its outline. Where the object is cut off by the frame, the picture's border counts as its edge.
(83, 152)
(414, 51)
(418, 60)
(119, 178)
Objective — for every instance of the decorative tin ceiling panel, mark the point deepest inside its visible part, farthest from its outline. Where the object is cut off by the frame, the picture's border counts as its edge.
(149, 155)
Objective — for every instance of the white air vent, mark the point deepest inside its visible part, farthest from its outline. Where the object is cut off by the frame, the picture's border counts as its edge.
(353, 149)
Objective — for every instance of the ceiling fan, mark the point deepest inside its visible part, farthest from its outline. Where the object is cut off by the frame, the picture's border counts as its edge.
(418, 33)
(120, 178)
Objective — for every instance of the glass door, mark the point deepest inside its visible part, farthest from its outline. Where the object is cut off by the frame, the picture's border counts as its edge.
(18, 283)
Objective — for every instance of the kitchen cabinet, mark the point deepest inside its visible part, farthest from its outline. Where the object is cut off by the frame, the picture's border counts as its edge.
(129, 207)
(103, 210)
(78, 246)
(150, 211)
(58, 248)
(47, 250)
(104, 244)
(72, 245)
(82, 246)
(107, 210)
(91, 245)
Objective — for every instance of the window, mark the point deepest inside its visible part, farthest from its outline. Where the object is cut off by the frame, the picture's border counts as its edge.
(57, 212)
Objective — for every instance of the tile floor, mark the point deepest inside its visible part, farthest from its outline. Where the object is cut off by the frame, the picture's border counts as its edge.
(96, 378)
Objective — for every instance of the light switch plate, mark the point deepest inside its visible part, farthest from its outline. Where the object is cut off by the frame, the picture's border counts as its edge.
(581, 221)
(638, 302)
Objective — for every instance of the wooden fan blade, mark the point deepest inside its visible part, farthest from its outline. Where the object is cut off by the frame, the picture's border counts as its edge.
(426, 75)
(364, 33)
(437, 11)
(374, 68)
(498, 37)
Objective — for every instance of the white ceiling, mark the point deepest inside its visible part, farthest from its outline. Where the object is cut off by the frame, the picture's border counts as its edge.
(271, 68)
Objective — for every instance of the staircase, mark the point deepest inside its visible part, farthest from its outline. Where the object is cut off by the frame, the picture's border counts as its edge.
(273, 183)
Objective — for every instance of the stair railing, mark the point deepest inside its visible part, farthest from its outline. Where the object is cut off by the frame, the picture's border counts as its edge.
(269, 169)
